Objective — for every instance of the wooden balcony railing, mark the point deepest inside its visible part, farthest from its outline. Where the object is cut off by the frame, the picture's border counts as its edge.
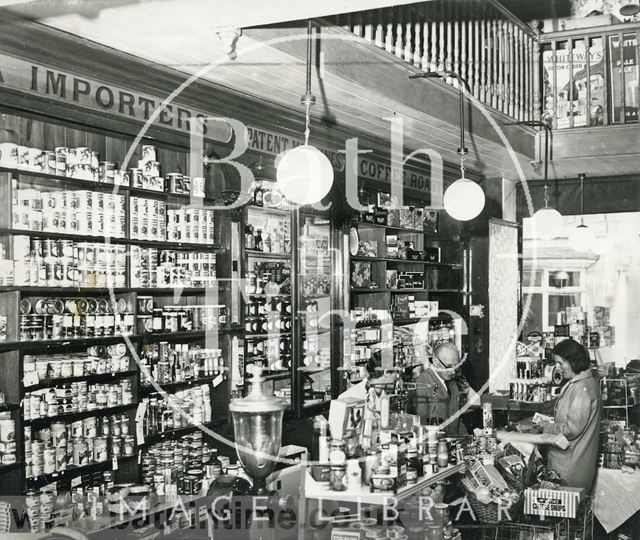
(478, 39)
(590, 77)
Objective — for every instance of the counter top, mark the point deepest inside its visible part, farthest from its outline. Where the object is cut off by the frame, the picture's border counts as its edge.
(314, 490)
(103, 523)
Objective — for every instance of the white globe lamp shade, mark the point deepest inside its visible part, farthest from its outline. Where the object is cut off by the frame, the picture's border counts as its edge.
(304, 174)
(464, 199)
(547, 223)
(582, 238)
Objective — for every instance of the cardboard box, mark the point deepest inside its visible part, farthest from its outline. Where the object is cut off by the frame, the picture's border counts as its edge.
(361, 275)
(406, 217)
(368, 248)
(392, 279)
(553, 502)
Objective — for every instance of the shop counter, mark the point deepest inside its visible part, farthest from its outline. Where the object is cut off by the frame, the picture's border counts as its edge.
(105, 523)
(314, 490)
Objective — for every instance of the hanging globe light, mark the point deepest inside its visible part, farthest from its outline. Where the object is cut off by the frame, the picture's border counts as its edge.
(305, 174)
(464, 199)
(547, 222)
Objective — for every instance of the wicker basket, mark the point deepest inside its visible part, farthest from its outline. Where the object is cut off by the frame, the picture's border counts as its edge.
(491, 513)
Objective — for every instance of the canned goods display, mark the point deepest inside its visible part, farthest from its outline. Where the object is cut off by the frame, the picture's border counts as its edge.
(183, 318)
(72, 318)
(76, 397)
(61, 445)
(192, 225)
(96, 361)
(7, 439)
(151, 267)
(52, 211)
(186, 462)
(166, 362)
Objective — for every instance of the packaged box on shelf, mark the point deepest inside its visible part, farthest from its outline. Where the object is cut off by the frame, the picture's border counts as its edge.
(6, 271)
(392, 279)
(432, 254)
(392, 246)
(422, 308)
(418, 219)
(368, 248)
(553, 502)
(601, 315)
(430, 222)
(393, 217)
(406, 217)
(361, 275)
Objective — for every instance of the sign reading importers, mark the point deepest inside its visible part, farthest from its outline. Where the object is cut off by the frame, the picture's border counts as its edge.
(19, 74)
(36, 79)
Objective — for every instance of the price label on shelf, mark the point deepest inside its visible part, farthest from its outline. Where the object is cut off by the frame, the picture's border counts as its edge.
(216, 382)
(114, 464)
(76, 481)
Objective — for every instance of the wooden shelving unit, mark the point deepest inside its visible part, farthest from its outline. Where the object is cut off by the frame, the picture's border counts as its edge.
(46, 135)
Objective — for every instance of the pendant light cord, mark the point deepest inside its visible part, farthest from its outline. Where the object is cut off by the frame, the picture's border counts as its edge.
(581, 176)
(308, 99)
(462, 151)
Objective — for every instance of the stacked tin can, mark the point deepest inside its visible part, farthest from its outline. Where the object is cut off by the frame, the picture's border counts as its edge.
(191, 225)
(147, 219)
(70, 211)
(64, 263)
(79, 443)
(183, 462)
(7, 439)
(78, 317)
(57, 366)
(75, 397)
(178, 318)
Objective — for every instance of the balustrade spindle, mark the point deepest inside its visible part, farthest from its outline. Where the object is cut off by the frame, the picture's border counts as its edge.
(417, 42)
(464, 38)
(425, 45)
(476, 55)
(399, 28)
(456, 41)
(368, 26)
(442, 44)
(449, 51)
(408, 25)
(499, 65)
(388, 35)
(534, 70)
(509, 70)
(379, 29)
(355, 22)
(484, 59)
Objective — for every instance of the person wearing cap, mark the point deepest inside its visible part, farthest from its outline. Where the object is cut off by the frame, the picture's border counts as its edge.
(437, 395)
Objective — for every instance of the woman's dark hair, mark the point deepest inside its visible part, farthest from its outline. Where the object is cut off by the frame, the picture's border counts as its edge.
(575, 354)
